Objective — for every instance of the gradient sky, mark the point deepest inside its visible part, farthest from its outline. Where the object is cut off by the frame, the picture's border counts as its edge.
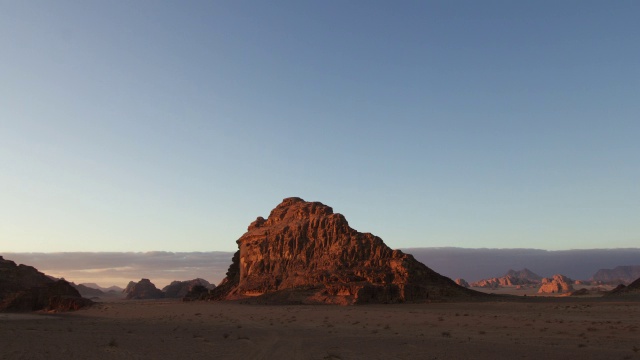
(148, 125)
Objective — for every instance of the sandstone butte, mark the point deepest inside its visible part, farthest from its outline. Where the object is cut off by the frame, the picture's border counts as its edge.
(557, 284)
(306, 253)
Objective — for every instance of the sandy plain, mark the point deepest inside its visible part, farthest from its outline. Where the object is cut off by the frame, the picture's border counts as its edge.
(558, 328)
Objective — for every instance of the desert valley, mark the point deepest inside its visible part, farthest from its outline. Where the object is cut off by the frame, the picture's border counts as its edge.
(305, 285)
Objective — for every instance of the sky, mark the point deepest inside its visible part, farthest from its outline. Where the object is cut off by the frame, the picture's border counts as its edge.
(170, 126)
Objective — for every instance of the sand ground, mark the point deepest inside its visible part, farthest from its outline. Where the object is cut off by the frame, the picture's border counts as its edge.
(537, 329)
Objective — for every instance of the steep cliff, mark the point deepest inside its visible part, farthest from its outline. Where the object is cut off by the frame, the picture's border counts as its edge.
(306, 253)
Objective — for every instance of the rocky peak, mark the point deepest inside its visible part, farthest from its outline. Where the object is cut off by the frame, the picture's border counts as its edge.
(305, 252)
(143, 289)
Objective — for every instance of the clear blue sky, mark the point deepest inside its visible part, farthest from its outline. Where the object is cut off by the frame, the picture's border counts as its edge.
(148, 125)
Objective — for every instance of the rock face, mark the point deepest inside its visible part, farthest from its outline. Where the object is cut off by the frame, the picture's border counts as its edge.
(462, 282)
(179, 289)
(617, 275)
(511, 278)
(23, 288)
(143, 289)
(305, 253)
(556, 285)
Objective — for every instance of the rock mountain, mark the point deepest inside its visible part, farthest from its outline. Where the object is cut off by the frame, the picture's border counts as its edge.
(305, 253)
(143, 289)
(618, 275)
(179, 289)
(23, 288)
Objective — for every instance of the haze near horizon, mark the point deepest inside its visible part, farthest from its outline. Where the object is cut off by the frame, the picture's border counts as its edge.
(171, 126)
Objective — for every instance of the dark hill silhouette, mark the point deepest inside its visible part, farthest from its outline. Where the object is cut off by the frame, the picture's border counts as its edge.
(23, 288)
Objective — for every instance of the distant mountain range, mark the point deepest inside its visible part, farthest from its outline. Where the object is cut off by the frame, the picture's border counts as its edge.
(623, 274)
(477, 264)
(118, 268)
(103, 289)
(511, 278)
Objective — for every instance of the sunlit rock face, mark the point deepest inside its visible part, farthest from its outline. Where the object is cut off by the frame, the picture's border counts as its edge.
(557, 284)
(304, 252)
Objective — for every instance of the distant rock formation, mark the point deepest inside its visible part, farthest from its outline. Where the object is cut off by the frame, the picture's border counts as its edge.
(558, 284)
(86, 291)
(524, 274)
(103, 289)
(23, 288)
(632, 289)
(143, 289)
(97, 294)
(462, 282)
(179, 289)
(617, 275)
(306, 253)
(511, 278)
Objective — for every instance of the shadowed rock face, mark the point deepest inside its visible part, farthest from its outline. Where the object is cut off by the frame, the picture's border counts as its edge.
(305, 253)
(179, 289)
(23, 288)
(143, 289)
(621, 290)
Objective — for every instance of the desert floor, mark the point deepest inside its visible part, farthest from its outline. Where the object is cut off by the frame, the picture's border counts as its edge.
(559, 328)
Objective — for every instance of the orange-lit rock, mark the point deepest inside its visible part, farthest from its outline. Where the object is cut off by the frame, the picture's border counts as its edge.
(304, 252)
